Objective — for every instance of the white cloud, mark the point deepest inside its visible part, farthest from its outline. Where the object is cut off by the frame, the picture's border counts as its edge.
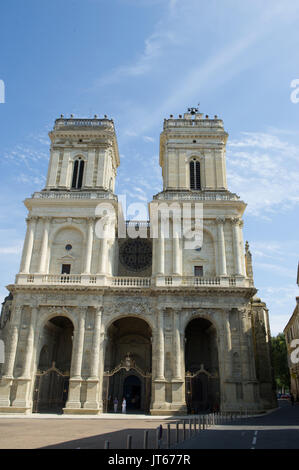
(264, 171)
(281, 302)
(11, 250)
(154, 47)
(147, 138)
(179, 39)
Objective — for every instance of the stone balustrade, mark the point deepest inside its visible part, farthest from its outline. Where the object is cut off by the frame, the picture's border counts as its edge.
(74, 195)
(90, 123)
(127, 281)
(205, 123)
(198, 196)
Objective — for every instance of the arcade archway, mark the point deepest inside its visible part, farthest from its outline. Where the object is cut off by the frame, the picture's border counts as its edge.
(202, 366)
(53, 372)
(128, 364)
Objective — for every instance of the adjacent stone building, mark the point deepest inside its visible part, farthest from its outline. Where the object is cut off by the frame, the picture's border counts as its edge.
(90, 318)
(291, 333)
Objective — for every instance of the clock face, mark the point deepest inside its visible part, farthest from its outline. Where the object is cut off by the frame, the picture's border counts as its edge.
(136, 254)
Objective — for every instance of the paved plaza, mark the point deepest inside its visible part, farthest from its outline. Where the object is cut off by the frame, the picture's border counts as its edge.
(276, 429)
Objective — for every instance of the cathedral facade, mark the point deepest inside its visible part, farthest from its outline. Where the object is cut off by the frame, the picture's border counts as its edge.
(104, 309)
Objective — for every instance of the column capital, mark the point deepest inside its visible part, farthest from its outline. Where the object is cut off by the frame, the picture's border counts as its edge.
(32, 218)
(81, 310)
(99, 310)
(236, 221)
(18, 310)
(220, 220)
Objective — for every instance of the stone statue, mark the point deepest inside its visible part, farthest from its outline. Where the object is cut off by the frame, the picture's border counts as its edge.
(6, 310)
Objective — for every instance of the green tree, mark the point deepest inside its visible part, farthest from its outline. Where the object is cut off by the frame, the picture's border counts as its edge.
(280, 362)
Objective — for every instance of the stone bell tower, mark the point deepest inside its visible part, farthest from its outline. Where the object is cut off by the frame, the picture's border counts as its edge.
(84, 155)
(192, 153)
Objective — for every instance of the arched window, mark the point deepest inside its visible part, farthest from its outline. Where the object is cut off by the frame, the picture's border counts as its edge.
(78, 174)
(194, 166)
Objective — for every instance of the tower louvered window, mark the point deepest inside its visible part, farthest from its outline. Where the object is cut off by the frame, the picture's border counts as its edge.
(78, 174)
(195, 175)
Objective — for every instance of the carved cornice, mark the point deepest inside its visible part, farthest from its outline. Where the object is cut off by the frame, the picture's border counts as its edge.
(216, 291)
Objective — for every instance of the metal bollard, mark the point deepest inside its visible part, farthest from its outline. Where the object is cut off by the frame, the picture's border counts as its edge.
(177, 437)
(190, 428)
(145, 439)
(168, 436)
(129, 441)
(194, 425)
(158, 440)
(184, 430)
(106, 445)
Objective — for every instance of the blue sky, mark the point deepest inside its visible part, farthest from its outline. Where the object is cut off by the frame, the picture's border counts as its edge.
(139, 61)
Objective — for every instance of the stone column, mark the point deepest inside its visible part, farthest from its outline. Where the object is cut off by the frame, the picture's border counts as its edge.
(29, 346)
(44, 247)
(178, 391)
(221, 246)
(10, 356)
(160, 346)
(236, 242)
(89, 244)
(161, 255)
(77, 356)
(78, 345)
(103, 251)
(158, 385)
(103, 343)
(247, 360)
(23, 399)
(13, 343)
(176, 251)
(92, 399)
(177, 347)
(229, 347)
(28, 245)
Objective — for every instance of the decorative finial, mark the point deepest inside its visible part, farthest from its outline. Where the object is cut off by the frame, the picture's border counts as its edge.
(193, 110)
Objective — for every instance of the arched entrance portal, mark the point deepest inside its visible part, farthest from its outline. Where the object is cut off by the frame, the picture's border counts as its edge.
(202, 366)
(53, 372)
(132, 392)
(128, 362)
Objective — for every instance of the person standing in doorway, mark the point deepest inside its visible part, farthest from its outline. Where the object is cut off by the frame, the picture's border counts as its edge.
(115, 404)
(124, 406)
